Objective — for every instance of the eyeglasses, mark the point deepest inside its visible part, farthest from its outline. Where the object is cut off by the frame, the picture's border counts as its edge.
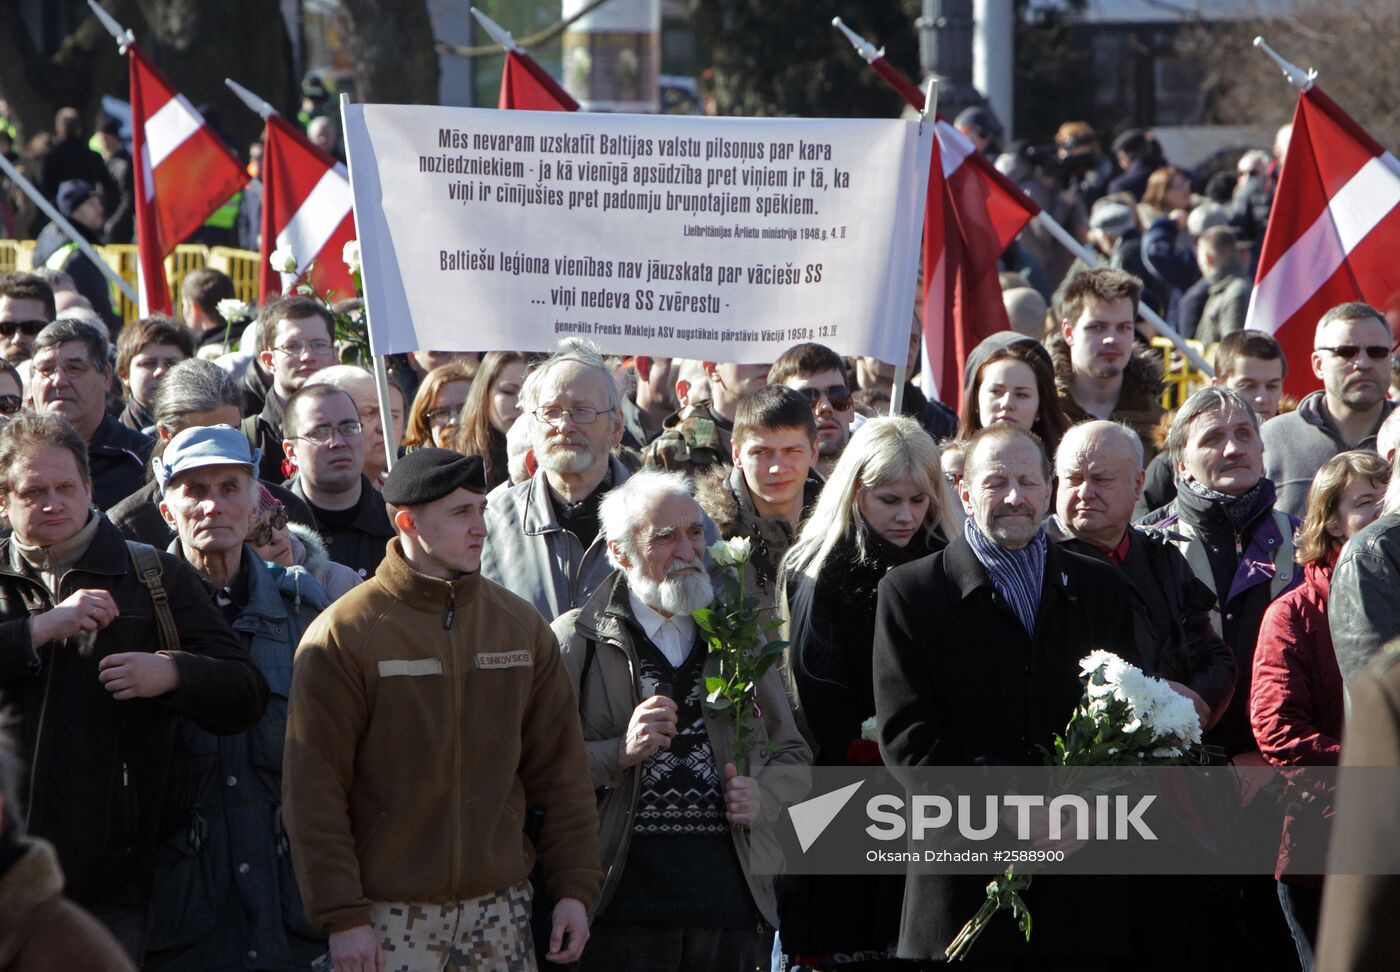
(1376, 352)
(552, 414)
(73, 369)
(261, 535)
(838, 395)
(9, 404)
(447, 415)
(325, 434)
(295, 349)
(30, 328)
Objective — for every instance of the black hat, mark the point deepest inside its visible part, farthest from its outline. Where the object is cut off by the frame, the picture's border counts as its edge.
(430, 474)
(992, 344)
(72, 194)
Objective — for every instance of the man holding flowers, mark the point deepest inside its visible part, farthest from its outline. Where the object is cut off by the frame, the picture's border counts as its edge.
(945, 699)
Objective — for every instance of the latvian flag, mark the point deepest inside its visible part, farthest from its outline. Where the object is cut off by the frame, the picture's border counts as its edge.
(1334, 231)
(186, 172)
(306, 210)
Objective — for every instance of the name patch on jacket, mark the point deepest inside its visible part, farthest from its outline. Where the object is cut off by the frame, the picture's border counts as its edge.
(504, 659)
(409, 666)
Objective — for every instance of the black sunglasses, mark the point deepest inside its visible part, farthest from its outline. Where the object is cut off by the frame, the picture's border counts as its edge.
(30, 328)
(838, 395)
(9, 404)
(1376, 352)
(261, 534)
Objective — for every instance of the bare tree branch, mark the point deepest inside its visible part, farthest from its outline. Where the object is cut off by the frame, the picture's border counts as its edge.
(534, 40)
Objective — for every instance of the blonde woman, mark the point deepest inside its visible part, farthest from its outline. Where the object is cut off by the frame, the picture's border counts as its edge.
(885, 503)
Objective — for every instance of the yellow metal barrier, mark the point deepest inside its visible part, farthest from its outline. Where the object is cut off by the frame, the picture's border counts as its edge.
(121, 257)
(242, 268)
(187, 257)
(25, 260)
(9, 255)
(1179, 379)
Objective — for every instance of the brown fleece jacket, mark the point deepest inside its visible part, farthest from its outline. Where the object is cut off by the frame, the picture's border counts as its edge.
(424, 717)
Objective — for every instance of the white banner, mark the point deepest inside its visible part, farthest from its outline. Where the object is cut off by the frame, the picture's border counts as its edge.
(719, 239)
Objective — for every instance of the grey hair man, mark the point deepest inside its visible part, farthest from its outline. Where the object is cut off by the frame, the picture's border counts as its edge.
(1351, 354)
(195, 392)
(675, 809)
(1225, 522)
(221, 856)
(1100, 472)
(544, 542)
(72, 376)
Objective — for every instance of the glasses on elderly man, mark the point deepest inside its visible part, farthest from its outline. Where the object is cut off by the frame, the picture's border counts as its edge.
(261, 535)
(554, 414)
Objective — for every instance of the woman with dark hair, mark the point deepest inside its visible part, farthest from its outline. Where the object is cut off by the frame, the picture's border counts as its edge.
(491, 409)
(1009, 378)
(1295, 698)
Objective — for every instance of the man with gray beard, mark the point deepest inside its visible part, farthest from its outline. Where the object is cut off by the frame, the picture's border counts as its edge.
(673, 809)
(543, 541)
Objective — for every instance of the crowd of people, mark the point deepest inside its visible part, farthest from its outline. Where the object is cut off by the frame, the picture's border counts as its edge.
(285, 683)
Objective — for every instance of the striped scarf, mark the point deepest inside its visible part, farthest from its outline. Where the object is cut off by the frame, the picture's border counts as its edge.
(1018, 575)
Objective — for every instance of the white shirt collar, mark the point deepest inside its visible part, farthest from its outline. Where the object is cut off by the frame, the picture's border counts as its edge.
(652, 621)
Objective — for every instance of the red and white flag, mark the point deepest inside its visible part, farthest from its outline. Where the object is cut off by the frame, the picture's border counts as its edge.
(185, 173)
(976, 217)
(307, 209)
(525, 85)
(1333, 234)
(972, 214)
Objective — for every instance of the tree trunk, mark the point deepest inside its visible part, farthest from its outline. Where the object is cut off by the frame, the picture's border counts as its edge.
(392, 44)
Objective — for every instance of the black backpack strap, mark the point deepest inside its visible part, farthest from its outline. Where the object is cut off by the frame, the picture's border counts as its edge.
(589, 651)
(148, 571)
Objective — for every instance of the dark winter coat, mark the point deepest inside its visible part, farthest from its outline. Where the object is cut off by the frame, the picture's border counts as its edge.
(1298, 443)
(117, 462)
(1171, 614)
(225, 894)
(958, 682)
(98, 767)
(1361, 602)
(831, 671)
(359, 546)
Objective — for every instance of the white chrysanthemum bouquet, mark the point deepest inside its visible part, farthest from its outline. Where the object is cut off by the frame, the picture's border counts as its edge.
(1125, 718)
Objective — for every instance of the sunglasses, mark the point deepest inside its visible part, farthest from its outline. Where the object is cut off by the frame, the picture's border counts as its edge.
(261, 535)
(1376, 352)
(9, 404)
(30, 328)
(838, 395)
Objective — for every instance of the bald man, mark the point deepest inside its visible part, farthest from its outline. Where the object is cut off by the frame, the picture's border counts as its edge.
(1099, 465)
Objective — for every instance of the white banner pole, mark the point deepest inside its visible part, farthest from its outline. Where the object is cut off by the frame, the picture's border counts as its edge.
(901, 371)
(38, 197)
(381, 372)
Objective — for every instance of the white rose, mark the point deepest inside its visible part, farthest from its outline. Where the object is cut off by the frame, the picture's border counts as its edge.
(306, 290)
(868, 731)
(351, 256)
(732, 553)
(283, 261)
(231, 309)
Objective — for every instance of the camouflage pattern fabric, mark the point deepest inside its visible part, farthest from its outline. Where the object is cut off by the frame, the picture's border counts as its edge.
(486, 934)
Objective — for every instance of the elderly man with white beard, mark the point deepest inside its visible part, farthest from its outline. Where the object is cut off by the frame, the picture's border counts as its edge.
(673, 809)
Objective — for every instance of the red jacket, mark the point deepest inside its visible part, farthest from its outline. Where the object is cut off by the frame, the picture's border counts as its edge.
(1295, 698)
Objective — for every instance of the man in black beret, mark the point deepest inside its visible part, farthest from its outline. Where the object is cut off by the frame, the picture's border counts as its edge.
(424, 719)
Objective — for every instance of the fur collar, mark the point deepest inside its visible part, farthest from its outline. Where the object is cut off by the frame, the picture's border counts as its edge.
(1142, 383)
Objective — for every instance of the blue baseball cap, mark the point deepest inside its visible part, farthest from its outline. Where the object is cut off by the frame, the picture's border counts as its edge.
(205, 445)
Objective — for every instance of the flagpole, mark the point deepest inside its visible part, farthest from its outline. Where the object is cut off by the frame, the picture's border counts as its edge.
(1300, 79)
(37, 197)
(498, 33)
(381, 372)
(120, 34)
(254, 103)
(901, 370)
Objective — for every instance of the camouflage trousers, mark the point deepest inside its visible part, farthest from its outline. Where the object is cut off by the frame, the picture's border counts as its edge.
(486, 934)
